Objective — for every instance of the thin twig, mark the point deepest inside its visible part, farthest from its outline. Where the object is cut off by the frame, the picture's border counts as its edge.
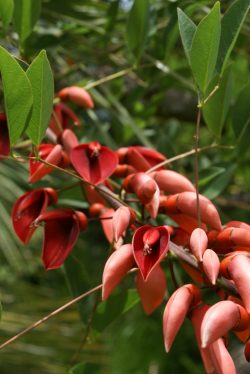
(186, 154)
(48, 316)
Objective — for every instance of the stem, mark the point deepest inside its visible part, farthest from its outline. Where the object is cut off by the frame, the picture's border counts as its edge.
(172, 273)
(186, 154)
(196, 165)
(48, 316)
(108, 78)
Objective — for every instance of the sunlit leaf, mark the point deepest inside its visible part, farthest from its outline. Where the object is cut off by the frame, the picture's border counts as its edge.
(187, 30)
(204, 49)
(41, 79)
(18, 97)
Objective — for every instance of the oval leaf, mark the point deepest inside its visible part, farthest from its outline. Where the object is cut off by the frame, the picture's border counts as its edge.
(17, 95)
(42, 83)
(204, 48)
(137, 27)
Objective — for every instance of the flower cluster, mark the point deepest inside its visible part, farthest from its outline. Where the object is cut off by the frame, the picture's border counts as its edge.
(214, 255)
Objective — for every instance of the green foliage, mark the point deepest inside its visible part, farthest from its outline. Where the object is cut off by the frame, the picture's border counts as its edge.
(241, 111)
(187, 31)
(18, 97)
(137, 27)
(26, 14)
(40, 76)
(204, 49)
(231, 24)
(215, 110)
(6, 11)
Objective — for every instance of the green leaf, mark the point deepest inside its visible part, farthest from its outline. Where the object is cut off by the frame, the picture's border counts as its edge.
(187, 30)
(204, 49)
(18, 97)
(138, 26)
(116, 305)
(216, 108)
(1, 310)
(6, 11)
(218, 184)
(241, 111)
(26, 13)
(230, 27)
(41, 79)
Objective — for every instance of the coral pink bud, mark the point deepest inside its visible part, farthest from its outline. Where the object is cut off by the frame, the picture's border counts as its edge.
(49, 153)
(176, 310)
(197, 315)
(27, 208)
(150, 245)
(239, 270)
(198, 243)
(185, 202)
(122, 218)
(153, 290)
(124, 170)
(116, 268)
(211, 265)
(171, 182)
(142, 158)
(94, 162)
(106, 218)
(69, 140)
(221, 358)
(76, 95)
(220, 318)
(239, 224)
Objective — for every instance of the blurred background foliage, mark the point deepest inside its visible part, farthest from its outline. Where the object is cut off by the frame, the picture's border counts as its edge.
(149, 101)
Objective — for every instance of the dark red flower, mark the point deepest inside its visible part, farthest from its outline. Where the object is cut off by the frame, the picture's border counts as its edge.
(51, 153)
(61, 118)
(4, 136)
(61, 231)
(94, 162)
(27, 208)
(150, 245)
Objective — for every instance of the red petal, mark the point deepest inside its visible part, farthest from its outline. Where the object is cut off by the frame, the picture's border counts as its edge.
(61, 232)
(94, 168)
(146, 263)
(27, 208)
(4, 136)
(48, 152)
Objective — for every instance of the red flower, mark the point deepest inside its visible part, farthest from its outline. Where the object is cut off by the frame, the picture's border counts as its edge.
(27, 208)
(50, 153)
(4, 136)
(61, 118)
(61, 231)
(94, 162)
(150, 245)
